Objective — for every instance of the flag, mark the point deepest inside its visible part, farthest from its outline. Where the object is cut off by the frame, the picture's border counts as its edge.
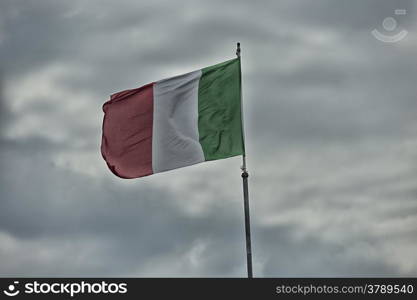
(174, 122)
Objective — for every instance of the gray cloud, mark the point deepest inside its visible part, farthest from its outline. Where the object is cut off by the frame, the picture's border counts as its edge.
(330, 115)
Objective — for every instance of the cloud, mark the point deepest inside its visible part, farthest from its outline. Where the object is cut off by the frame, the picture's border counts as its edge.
(104, 225)
(330, 124)
(347, 203)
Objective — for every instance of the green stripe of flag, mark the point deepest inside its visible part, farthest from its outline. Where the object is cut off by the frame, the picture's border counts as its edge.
(219, 110)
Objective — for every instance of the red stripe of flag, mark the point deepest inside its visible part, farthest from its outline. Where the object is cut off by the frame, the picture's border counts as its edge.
(127, 132)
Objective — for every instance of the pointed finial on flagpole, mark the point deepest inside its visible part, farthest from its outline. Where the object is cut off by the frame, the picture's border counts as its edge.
(238, 49)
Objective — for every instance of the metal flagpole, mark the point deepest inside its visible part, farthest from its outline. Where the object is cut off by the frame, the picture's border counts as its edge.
(245, 176)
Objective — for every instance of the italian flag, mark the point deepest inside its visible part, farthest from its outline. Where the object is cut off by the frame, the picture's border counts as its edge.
(174, 122)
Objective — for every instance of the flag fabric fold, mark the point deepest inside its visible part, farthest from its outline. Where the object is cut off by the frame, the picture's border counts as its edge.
(174, 122)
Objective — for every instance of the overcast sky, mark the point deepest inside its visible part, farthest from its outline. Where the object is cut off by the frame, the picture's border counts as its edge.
(331, 132)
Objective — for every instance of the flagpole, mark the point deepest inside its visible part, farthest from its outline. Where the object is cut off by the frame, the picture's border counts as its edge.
(245, 176)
